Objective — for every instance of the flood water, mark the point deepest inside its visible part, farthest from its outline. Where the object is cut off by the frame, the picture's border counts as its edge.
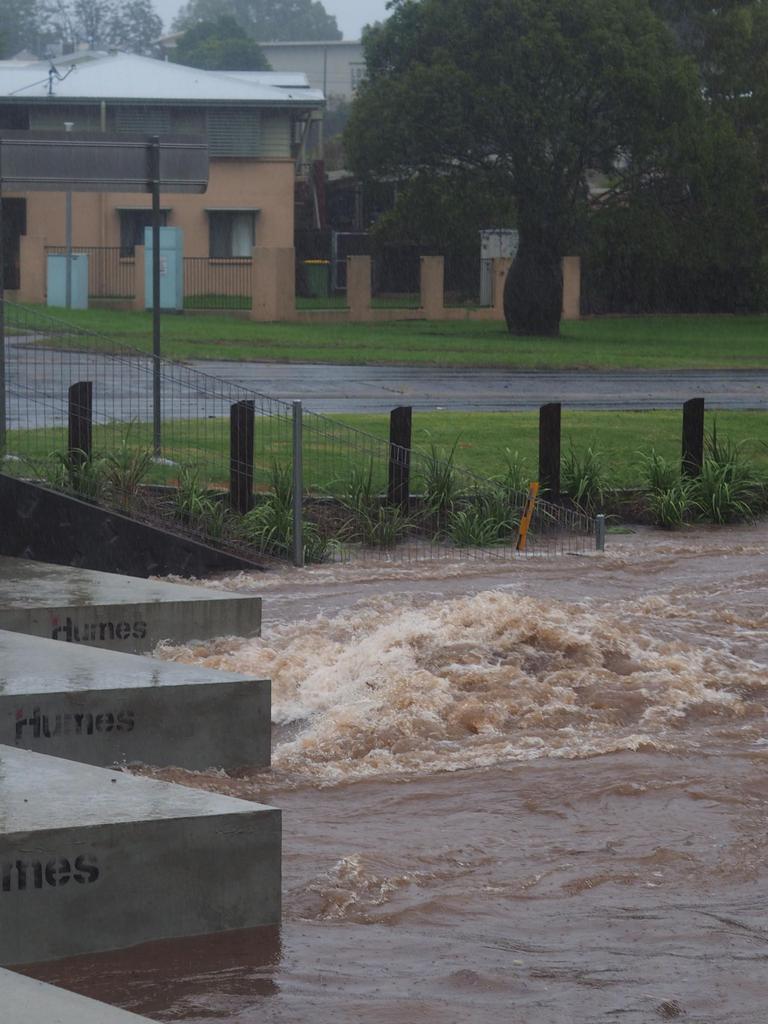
(535, 793)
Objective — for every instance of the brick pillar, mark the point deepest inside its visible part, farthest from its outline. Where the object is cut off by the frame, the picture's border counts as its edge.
(31, 270)
(138, 277)
(571, 287)
(359, 287)
(273, 284)
(432, 286)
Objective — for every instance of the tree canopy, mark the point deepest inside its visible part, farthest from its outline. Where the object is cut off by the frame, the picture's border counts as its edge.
(265, 20)
(131, 25)
(219, 46)
(535, 98)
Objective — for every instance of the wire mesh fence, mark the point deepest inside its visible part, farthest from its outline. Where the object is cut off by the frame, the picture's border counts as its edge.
(230, 461)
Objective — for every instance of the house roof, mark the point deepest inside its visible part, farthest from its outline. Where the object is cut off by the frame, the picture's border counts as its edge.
(127, 78)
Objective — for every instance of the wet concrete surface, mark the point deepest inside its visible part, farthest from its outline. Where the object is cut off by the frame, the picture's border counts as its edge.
(26, 1001)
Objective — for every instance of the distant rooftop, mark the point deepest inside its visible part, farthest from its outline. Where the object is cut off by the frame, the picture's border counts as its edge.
(129, 78)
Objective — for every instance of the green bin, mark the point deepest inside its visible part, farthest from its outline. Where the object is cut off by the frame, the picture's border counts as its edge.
(318, 275)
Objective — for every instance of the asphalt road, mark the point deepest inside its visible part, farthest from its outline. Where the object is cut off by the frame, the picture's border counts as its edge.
(38, 379)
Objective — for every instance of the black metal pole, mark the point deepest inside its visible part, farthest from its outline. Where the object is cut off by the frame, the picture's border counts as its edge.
(549, 451)
(241, 438)
(693, 436)
(80, 434)
(155, 184)
(400, 457)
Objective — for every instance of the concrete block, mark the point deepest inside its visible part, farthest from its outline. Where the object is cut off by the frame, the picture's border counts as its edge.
(121, 613)
(26, 1001)
(102, 707)
(93, 860)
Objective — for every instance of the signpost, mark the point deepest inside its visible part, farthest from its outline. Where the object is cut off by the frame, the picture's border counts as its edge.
(72, 162)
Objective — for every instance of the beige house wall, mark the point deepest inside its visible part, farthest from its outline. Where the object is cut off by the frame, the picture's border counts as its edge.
(235, 184)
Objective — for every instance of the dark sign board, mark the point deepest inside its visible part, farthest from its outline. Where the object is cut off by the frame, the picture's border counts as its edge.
(70, 162)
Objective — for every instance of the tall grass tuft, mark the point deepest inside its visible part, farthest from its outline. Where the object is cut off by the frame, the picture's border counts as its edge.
(585, 478)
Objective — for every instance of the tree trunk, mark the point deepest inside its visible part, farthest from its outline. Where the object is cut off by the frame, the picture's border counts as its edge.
(533, 292)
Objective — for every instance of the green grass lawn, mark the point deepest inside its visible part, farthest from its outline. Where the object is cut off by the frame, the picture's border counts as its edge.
(683, 342)
(481, 440)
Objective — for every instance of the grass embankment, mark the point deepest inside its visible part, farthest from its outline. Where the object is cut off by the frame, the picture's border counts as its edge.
(600, 344)
(481, 440)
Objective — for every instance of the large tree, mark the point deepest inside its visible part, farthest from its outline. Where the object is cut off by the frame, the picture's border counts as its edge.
(537, 97)
(219, 46)
(131, 25)
(19, 26)
(265, 20)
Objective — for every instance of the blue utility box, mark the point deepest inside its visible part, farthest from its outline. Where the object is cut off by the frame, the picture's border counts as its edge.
(56, 271)
(171, 268)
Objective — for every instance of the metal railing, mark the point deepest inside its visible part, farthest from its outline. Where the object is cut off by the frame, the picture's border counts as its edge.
(217, 283)
(110, 275)
(234, 465)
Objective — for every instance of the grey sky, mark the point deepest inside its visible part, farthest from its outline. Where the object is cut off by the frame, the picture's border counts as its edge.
(350, 14)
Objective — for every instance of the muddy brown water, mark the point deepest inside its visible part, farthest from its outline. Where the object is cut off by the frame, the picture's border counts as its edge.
(535, 793)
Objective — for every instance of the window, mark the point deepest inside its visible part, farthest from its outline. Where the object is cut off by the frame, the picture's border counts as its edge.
(231, 233)
(132, 224)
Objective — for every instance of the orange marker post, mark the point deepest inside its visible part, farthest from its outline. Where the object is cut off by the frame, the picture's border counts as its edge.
(527, 516)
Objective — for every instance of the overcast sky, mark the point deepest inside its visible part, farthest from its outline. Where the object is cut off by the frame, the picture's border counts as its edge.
(351, 15)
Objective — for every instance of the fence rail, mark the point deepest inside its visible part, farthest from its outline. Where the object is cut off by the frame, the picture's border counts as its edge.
(110, 275)
(217, 283)
(227, 468)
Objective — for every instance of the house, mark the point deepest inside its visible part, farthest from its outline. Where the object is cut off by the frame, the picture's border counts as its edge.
(254, 124)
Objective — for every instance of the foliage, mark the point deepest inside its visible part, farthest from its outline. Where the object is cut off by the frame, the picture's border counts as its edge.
(530, 96)
(726, 489)
(265, 20)
(19, 27)
(132, 25)
(584, 477)
(125, 470)
(76, 472)
(486, 517)
(219, 45)
(668, 496)
(516, 478)
(269, 524)
(440, 483)
(373, 523)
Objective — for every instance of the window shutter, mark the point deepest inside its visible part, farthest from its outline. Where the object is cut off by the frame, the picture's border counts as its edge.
(233, 131)
(143, 121)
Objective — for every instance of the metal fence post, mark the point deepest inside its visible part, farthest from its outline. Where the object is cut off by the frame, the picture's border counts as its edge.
(399, 488)
(154, 160)
(600, 532)
(80, 434)
(241, 437)
(298, 488)
(693, 436)
(549, 451)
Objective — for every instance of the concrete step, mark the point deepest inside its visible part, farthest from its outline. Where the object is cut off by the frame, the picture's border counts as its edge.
(93, 860)
(121, 613)
(26, 1001)
(103, 707)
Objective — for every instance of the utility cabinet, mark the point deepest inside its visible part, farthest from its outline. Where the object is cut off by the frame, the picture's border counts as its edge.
(171, 268)
(56, 276)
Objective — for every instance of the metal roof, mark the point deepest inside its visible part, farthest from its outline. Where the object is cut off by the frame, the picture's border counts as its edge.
(125, 77)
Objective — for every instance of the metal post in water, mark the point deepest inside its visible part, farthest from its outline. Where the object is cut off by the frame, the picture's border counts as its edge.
(298, 488)
(600, 532)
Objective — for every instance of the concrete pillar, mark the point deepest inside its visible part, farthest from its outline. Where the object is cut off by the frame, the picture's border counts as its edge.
(32, 269)
(432, 286)
(138, 277)
(571, 287)
(359, 287)
(499, 273)
(274, 284)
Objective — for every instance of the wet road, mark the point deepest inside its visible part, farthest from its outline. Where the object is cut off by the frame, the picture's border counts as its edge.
(39, 378)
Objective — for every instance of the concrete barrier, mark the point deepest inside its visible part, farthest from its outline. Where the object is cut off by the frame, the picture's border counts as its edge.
(93, 860)
(101, 707)
(121, 613)
(26, 1001)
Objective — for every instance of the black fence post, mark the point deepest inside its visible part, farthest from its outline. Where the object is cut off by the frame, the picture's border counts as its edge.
(399, 485)
(549, 451)
(80, 434)
(241, 436)
(693, 436)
